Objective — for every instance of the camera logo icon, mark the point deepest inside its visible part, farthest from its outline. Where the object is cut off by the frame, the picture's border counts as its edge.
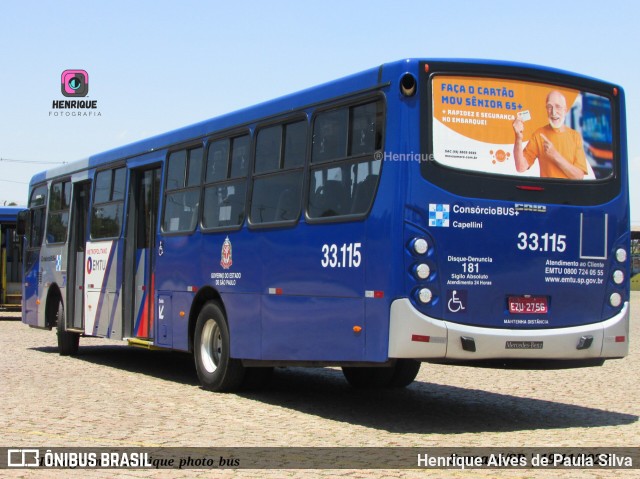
(74, 83)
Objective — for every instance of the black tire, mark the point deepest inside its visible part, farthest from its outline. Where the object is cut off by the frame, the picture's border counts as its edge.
(368, 377)
(400, 375)
(217, 371)
(405, 373)
(68, 341)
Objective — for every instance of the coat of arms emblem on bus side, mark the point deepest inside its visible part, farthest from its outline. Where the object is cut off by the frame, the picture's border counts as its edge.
(225, 256)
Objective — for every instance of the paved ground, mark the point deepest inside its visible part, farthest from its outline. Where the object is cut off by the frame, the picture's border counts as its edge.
(113, 395)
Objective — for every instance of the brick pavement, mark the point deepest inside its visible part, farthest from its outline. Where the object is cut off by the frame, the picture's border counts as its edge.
(114, 395)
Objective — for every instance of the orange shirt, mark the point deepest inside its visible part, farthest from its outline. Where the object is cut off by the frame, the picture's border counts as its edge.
(568, 144)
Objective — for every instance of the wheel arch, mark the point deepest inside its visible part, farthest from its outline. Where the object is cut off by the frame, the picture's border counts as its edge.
(54, 296)
(203, 296)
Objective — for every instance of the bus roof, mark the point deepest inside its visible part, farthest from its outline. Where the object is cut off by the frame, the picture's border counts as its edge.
(307, 98)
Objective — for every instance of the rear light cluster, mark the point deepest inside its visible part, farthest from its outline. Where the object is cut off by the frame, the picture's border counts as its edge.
(618, 276)
(422, 270)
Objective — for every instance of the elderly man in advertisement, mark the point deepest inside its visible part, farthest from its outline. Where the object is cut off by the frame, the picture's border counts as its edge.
(557, 147)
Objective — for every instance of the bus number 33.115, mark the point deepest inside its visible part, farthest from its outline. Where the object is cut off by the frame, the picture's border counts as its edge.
(346, 255)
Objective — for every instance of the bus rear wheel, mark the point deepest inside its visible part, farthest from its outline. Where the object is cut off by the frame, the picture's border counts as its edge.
(68, 341)
(217, 371)
(399, 375)
(405, 373)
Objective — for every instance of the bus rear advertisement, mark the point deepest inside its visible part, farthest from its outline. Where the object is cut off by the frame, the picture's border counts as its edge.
(420, 211)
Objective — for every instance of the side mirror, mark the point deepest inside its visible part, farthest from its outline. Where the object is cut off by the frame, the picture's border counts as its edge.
(21, 225)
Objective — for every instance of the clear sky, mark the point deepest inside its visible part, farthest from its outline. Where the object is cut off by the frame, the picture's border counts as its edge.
(158, 65)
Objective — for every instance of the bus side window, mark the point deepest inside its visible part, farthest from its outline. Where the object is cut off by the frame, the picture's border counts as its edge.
(175, 169)
(277, 183)
(365, 179)
(330, 196)
(365, 123)
(347, 186)
(330, 135)
(240, 156)
(182, 197)
(37, 208)
(217, 161)
(226, 183)
(58, 218)
(108, 202)
(268, 149)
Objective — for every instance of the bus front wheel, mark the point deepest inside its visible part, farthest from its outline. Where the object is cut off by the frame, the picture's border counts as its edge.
(217, 370)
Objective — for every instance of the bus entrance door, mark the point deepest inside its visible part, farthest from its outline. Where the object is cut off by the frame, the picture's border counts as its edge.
(141, 239)
(77, 245)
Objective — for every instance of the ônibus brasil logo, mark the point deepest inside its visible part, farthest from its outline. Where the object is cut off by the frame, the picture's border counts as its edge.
(226, 254)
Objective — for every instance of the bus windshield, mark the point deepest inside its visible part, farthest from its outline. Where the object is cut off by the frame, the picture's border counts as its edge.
(520, 128)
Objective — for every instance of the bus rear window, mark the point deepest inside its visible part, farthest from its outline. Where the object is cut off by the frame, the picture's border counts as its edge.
(520, 128)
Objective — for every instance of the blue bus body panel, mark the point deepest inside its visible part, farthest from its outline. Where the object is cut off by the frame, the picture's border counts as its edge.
(30, 309)
(509, 252)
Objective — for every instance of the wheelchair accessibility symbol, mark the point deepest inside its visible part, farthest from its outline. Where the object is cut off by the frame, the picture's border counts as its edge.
(457, 300)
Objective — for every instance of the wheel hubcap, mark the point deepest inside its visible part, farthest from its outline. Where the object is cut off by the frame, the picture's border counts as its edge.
(211, 346)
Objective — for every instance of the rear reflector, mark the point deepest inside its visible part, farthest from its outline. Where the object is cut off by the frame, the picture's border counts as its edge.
(374, 294)
(420, 339)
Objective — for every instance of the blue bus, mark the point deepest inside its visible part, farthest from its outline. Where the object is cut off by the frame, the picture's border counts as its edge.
(10, 258)
(371, 223)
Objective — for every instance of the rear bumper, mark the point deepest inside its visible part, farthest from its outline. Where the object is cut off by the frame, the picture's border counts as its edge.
(415, 335)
